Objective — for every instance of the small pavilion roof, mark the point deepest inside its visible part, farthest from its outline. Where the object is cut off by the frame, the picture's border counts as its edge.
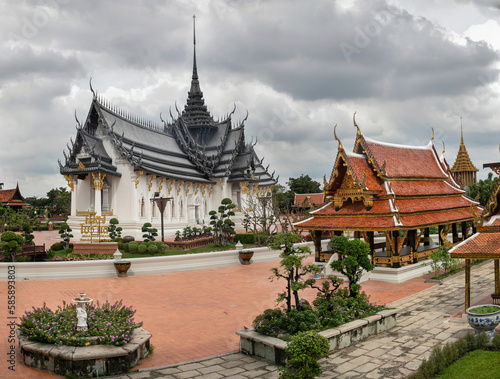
(385, 186)
(12, 197)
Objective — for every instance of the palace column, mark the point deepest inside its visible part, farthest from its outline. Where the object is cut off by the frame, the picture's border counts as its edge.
(98, 182)
(454, 232)
(74, 195)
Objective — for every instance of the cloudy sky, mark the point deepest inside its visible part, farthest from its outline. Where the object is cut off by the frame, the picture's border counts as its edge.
(298, 67)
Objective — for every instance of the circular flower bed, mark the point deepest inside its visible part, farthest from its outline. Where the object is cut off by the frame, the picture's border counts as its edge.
(111, 324)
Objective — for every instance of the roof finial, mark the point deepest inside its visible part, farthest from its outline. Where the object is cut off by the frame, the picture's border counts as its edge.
(337, 138)
(461, 132)
(444, 148)
(432, 138)
(195, 85)
(356, 125)
(90, 83)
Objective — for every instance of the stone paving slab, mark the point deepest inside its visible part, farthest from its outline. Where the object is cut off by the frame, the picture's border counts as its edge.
(424, 322)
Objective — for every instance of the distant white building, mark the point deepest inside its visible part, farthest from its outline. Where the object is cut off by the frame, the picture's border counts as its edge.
(118, 161)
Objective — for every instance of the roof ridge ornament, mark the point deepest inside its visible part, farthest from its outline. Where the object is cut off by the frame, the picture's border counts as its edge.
(355, 124)
(91, 89)
(432, 138)
(337, 138)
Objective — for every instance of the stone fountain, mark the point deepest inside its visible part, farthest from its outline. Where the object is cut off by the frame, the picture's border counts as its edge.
(81, 314)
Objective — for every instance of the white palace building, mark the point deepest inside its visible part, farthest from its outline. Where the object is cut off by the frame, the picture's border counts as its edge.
(118, 162)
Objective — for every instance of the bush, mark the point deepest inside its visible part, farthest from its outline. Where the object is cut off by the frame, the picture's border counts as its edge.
(280, 322)
(142, 248)
(304, 350)
(58, 246)
(152, 249)
(111, 324)
(132, 247)
(160, 246)
(245, 238)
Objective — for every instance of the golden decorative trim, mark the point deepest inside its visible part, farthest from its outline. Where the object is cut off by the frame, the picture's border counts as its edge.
(83, 213)
(350, 189)
(197, 188)
(221, 184)
(443, 234)
(107, 213)
(179, 187)
(211, 189)
(204, 189)
(389, 243)
(139, 173)
(69, 179)
(244, 188)
(255, 188)
(172, 181)
(401, 240)
(161, 185)
(98, 180)
(188, 185)
(153, 177)
(418, 237)
(81, 166)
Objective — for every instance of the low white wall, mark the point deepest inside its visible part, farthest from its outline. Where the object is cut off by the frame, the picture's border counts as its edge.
(140, 266)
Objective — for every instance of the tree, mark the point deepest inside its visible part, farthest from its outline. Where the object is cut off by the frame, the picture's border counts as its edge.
(353, 259)
(260, 218)
(150, 233)
(484, 188)
(65, 233)
(60, 201)
(283, 198)
(28, 234)
(11, 244)
(222, 225)
(303, 184)
(114, 231)
(291, 268)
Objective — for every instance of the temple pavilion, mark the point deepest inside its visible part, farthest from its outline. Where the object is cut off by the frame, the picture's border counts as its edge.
(394, 191)
(12, 197)
(118, 162)
(463, 169)
(485, 244)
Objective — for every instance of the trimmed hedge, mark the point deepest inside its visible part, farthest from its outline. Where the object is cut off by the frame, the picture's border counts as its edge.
(245, 238)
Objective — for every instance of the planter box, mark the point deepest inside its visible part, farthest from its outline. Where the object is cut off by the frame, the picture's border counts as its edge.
(85, 361)
(273, 349)
(189, 245)
(84, 248)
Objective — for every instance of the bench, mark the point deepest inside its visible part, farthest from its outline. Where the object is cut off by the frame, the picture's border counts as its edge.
(32, 251)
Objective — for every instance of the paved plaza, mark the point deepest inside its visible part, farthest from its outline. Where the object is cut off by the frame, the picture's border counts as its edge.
(194, 315)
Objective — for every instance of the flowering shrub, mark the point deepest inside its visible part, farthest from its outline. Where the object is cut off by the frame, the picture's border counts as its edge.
(108, 324)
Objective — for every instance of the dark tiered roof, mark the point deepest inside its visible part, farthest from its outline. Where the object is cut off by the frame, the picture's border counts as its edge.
(192, 147)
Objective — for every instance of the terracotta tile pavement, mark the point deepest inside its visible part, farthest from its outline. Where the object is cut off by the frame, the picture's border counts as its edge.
(191, 315)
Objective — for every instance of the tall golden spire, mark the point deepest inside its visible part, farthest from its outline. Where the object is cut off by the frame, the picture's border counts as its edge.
(463, 169)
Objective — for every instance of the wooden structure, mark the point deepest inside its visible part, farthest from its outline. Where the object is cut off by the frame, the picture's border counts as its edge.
(485, 244)
(463, 169)
(12, 198)
(398, 191)
(308, 201)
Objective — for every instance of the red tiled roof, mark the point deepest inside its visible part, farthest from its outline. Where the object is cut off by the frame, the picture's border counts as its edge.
(315, 198)
(480, 245)
(349, 208)
(422, 188)
(431, 204)
(446, 217)
(6, 195)
(347, 223)
(360, 167)
(406, 162)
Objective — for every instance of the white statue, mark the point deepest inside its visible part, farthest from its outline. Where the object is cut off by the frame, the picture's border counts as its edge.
(81, 315)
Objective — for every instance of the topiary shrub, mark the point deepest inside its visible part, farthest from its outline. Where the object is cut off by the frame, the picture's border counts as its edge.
(160, 246)
(142, 248)
(152, 249)
(11, 244)
(58, 246)
(132, 247)
(304, 350)
(245, 238)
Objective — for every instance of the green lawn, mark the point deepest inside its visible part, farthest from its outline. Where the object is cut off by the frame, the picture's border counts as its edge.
(479, 364)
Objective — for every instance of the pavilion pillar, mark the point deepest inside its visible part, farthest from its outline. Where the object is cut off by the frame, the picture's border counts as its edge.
(371, 242)
(411, 243)
(395, 257)
(97, 202)
(473, 227)
(464, 230)
(426, 237)
(316, 237)
(357, 235)
(454, 232)
(467, 283)
(496, 295)
(440, 229)
(74, 197)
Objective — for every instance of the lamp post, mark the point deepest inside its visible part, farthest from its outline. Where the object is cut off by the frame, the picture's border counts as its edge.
(161, 202)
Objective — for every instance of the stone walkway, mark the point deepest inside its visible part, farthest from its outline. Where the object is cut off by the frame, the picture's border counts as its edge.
(425, 320)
